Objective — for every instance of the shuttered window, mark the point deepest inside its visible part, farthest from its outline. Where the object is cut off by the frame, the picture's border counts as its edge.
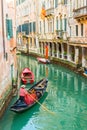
(20, 28)
(65, 24)
(9, 28)
(30, 27)
(25, 28)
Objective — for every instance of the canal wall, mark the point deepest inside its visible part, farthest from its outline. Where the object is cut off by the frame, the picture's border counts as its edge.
(73, 67)
(4, 102)
(5, 98)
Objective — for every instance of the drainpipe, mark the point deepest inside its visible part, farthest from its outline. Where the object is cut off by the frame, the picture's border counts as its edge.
(2, 14)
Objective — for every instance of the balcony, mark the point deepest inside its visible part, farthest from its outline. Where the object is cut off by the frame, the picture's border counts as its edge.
(49, 12)
(80, 13)
(80, 40)
(46, 36)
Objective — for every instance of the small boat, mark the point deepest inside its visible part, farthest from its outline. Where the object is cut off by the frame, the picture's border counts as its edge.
(43, 60)
(18, 52)
(39, 88)
(27, 76)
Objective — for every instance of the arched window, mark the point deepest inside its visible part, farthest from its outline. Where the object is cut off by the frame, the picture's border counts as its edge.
(65, 24)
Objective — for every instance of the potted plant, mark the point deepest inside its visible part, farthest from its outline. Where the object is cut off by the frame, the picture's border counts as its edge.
(65, 54)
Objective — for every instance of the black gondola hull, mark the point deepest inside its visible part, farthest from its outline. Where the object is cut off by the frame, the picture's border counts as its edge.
(40, 86)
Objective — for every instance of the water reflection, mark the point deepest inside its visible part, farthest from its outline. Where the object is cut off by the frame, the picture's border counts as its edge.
(67, 98)
(22, 119)
(38, 69)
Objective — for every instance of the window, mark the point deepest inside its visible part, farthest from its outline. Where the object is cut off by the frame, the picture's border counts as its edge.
(70, 9)
(77, 4)
(6, 55)
(30, 42)
(56, 23)
(44, 25)
(9, 28)
(21, 1)
(56, 3)
(81, 29)
(34, 39)
(70, 30)
(50, 26)
(65, 24)
(25, 28)
(30, 27)
(40, 26)
(34, 27)
(65, 1)
(76, 30)
(60, 24)
(22, 28)
(19, 28)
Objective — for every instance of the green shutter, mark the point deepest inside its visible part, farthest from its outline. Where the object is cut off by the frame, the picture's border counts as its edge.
(65, 24)
(34, 27)
(6, 27)
(9, 29)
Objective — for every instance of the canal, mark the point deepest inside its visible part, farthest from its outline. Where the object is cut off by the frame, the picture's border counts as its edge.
(65, 100)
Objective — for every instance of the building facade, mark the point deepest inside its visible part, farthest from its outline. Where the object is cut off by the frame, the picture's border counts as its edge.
(26, 22)
(62, 24)
(65, 30)
(7, 64)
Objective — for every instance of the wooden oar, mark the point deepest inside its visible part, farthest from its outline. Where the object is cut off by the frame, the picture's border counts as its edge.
(42, 105)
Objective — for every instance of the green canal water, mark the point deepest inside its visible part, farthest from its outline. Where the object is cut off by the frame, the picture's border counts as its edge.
(65, 101)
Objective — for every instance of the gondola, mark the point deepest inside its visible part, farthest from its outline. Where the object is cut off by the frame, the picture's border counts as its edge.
(27, 76)
(39, 88)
